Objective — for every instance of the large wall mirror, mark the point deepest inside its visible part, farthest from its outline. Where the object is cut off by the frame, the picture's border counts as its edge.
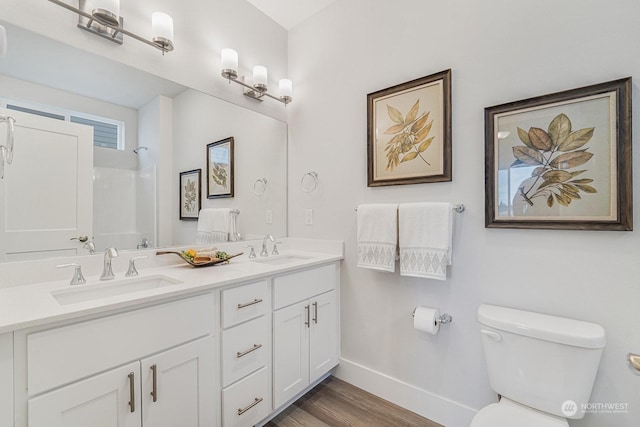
(144, 131)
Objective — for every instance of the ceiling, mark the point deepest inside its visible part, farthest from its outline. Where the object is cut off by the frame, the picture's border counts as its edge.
(290, 13)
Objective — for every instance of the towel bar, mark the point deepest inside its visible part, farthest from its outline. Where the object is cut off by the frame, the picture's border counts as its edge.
(459, 208)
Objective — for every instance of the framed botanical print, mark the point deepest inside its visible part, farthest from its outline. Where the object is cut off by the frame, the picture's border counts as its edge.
(561, 161)
(190, 194)
(220, 169)
(409, 132)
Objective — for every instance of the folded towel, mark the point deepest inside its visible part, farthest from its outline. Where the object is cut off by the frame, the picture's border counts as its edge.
(425, 239)
(213, 226)
(204, 256)
(377, 236)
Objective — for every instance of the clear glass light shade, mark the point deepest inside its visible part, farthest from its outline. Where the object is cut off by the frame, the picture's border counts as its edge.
(285, 87)
(162, 25)
(260, 77)
(229, 61)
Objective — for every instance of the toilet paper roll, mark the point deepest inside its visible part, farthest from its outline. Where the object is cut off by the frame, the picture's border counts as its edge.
(425, 320)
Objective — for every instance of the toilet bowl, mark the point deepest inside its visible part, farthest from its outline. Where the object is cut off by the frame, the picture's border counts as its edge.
(538, 363)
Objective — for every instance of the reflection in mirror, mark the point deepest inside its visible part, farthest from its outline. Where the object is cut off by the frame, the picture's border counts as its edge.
(154, 129)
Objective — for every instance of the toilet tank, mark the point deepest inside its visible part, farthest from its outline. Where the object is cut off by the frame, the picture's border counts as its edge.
(539, 360)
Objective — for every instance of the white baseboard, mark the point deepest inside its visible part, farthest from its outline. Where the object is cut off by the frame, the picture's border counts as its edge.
(436, 408)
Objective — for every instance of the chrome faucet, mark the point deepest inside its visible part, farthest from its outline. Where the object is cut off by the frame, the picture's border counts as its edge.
(107, 272)
(90, 246)
(264, 251)
(144, 244)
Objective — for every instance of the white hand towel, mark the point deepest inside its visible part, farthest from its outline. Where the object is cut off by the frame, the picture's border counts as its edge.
(213, 226)
(425, 238)
(377, 236)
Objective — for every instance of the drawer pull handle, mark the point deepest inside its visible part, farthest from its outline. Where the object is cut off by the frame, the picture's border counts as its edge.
(315, 312)
(244, 353)
(154, 387)
(132, 391)
(255, 301)
(308, 310)
(254, 403)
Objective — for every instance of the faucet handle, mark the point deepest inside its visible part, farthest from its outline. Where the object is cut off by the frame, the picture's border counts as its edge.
(78, 278)
(252, 253)
(275, 248)
(132, 271)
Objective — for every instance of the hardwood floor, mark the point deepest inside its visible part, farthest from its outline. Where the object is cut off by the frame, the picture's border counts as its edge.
(335, 403)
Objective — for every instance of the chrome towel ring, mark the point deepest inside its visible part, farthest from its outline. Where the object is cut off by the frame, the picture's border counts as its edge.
(309, 181)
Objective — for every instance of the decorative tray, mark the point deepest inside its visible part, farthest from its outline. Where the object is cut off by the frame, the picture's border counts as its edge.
(215, 261)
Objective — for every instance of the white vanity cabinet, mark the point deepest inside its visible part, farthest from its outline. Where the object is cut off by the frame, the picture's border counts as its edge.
(152, 367)
(246, 345)
(305, 329)
(6, 380)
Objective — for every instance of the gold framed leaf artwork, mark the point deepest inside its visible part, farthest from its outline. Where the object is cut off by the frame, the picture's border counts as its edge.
(220, 169)
(409, 132)
(190, 194)
(561, 161)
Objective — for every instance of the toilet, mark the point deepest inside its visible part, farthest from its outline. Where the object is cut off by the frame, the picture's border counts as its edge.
(542, 366)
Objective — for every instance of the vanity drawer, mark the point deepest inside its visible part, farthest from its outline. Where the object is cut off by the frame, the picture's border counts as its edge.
(244, 349)
(299, 286)
(66, 354)
(246, 402)
(243, 303)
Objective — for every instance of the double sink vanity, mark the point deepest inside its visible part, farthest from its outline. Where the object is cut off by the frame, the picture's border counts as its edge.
(227, 345)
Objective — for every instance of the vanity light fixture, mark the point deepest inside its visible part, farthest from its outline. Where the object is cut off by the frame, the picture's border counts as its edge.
(3, 41)
(259, 89)
(104, 20)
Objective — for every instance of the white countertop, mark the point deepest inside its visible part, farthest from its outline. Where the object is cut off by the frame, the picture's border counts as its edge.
(30, 305)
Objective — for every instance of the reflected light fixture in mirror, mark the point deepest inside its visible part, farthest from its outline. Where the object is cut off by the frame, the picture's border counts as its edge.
(105, 20)
(3, 41)
(259, 89)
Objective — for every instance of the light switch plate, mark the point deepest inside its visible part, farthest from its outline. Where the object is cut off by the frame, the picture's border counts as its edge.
(308, 216)
(268, 218)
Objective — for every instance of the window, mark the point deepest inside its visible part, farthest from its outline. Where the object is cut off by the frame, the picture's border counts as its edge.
(107, 133)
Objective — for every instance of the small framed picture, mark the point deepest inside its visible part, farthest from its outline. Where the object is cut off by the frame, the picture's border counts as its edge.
(190, 194)
(561, 161)
(409, 132)
(220, 169)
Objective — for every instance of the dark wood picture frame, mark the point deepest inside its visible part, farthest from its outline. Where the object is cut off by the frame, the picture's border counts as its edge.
(409, 132)
(220, 168)
(561, 161)
(190, 194)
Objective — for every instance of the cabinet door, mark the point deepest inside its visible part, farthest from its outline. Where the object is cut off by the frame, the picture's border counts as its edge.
(323, 339)
(290, 351)
(183, 391)
(99, 401)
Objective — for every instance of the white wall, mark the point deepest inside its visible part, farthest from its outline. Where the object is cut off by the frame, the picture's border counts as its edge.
(202, 30)
(499, 51)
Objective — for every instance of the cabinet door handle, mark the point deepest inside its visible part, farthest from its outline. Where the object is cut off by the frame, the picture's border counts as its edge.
(154, 387)
(254, 403)
(315, 312)
(255, 301)
(132, 391)
(307, 310)
(244, 353)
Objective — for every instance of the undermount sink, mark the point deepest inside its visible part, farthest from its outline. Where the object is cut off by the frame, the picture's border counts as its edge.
(84, 293)
(281, 259)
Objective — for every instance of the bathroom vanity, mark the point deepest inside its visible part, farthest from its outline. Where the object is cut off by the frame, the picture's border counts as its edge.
(224, 346)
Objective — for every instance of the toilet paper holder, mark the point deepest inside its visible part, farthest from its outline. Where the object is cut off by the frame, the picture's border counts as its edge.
(442, 320)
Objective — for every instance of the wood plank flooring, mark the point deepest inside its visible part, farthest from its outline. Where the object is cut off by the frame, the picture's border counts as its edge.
(335, 403)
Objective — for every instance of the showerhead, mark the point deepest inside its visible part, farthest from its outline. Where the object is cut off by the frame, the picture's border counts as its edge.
(137, 150)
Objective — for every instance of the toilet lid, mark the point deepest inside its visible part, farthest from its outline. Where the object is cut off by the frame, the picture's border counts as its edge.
(508, 413)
